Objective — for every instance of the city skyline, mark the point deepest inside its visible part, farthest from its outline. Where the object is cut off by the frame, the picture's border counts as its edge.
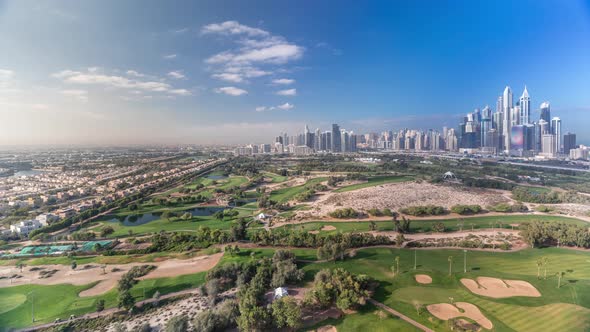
(231, 75)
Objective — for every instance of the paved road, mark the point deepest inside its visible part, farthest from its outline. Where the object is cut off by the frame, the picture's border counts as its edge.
(111, 311)
(400, 315)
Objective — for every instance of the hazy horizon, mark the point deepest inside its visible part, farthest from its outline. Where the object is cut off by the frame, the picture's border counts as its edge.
(183, 72)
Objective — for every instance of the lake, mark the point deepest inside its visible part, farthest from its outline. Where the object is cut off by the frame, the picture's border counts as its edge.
(140, 219)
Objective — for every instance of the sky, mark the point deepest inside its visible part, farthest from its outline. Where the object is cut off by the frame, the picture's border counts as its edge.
(224, 72)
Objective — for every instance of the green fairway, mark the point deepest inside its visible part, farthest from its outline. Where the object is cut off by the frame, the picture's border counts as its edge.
(375, 181)
(61, 301)
(569, 304)
(286, 194)
(417, 226)
(275, 178)
(366, 319)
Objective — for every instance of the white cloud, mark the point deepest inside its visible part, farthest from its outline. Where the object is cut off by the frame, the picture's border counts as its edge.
(169, 56)
(7, 80)
(286, 106)
(176, 74)
(229, 77)
(288, 92)
(6, 74)
(180, 92)
(232, 28)
(261, 108)
(231, 90)
(179, 31)
(81, 95)
(113, 81)
(134, 73)
(283, 81)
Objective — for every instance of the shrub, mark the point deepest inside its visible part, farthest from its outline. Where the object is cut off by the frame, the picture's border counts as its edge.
(424, 210)
(344, 213)
(466, 209)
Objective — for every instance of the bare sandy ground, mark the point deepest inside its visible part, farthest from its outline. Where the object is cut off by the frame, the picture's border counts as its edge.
(446, 311)
(82, 276)
(327, 328)
(398, 195)
(324, 228)
(423, 278)
(499, 288)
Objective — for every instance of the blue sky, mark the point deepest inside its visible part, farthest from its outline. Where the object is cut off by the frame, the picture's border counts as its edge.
(117, 72)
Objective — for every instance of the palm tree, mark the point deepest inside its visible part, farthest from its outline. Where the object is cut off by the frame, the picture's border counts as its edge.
(397, 263)
(545, 263)
(539, 264)
(559, 275)
(450, 264)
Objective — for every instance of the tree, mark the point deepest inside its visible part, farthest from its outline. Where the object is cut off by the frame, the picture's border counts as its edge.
(450, 264)
(156, 297)
(126, 300)
(418, 306)
(166, 215)
(74, 265)
(397, 263)
(539, 265)
(100, 305)
(177, 324)
(438, 227)
(106, 231)
(119, 327)
(373, 226)
(104, 269)
(21, 266)
(559, 275)
(545, 263)
(286, 313)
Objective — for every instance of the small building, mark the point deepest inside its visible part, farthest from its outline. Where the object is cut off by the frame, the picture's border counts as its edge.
(25, 227)
(280, 292)
(262, 216)
(47, 218)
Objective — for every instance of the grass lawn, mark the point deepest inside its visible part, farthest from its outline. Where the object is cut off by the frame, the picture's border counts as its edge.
(286, 194)
(568, 304)
(375, 181)
(366, 319)
(426, 225)
(190, 225)
(275, 178)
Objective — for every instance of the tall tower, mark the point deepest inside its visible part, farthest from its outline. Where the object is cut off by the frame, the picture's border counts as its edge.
(546, 112)
(336, 138)
(525, 107)
(556, 130)
(507, 109)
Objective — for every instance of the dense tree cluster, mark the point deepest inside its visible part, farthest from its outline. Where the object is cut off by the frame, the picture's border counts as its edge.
(294, 238)
(345, 213)
(487, 183)
(466, 209)
(339, 287)
(380, 213)
(402, 226)
(424, 210)
(532, 196)
(543, 233)
(127, 281)
(506, 207)
(219, 318)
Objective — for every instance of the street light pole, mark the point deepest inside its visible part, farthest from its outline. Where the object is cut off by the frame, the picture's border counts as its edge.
(415, 259)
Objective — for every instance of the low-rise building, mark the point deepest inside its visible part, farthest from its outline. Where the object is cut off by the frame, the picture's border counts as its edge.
(25, 227)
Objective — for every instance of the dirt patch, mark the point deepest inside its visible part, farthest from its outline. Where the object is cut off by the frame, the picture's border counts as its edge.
(108, 280)
(398, 195)
(500, 288)
(423, 279)
(314, 232)
(446, 311)
(327, 328)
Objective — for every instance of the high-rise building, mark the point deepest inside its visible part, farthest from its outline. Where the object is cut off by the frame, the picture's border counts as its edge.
(548, 145)
(546, 111)
(336, 138)
(556, 131)
(569, 143)
(525, 107)
(507, 110)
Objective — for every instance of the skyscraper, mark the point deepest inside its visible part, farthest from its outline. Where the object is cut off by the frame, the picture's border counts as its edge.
(336, 138)
(525, 107)
(569, 142)
(507, 109)
(556, 130)
(546, 111)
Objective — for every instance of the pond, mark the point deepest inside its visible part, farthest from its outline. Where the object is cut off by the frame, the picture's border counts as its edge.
(216, 177)
(140, 219)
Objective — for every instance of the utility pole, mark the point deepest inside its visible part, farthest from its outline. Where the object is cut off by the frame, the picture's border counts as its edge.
(415, 259)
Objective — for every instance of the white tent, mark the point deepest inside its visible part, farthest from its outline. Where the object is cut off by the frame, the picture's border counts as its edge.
(449, 176)
(280, 292)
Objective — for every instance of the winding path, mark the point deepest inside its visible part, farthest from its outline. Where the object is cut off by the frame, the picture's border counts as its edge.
(400, 315)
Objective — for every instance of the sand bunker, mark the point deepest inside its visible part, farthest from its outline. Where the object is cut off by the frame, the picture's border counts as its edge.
(499, 288)
(327, 328)
(423, 278)
(446, 311)
(94, 273)
(324, 228)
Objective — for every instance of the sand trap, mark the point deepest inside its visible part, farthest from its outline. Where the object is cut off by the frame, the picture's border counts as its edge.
(327, 328)
(82, 276)
(423, 278)
(498, 288)
(328, 228)
(446, 311)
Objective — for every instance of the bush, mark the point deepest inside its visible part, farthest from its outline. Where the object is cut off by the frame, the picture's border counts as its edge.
(344, 213)
(424, 210)
(438, 227)
(466, 209)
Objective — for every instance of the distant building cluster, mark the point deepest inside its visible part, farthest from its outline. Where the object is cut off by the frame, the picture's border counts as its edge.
(509, 130)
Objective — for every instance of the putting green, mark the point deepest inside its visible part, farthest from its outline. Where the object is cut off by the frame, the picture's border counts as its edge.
(11, 301)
